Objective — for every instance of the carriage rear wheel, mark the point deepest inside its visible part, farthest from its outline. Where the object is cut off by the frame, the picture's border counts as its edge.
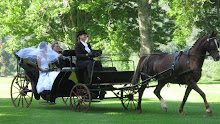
(80, 98)
(21, 91)
(130, 98)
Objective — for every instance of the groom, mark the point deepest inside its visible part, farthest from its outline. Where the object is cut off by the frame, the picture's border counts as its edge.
(56, 47)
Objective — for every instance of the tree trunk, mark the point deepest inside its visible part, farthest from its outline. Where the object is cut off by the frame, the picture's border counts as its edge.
(218, 13)
(145, 28)
(74, 23)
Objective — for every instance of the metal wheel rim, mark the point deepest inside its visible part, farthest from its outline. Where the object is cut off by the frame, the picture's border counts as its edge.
(21, 91)
(80, 98)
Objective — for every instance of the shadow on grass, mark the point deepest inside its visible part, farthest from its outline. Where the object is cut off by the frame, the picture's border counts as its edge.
(209, 82)
(149, 106)
(107, 111)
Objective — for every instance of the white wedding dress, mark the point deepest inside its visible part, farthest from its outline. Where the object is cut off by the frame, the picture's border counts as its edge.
(46, 79)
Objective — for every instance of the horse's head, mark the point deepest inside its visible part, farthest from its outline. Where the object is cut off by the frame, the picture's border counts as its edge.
(212, 46)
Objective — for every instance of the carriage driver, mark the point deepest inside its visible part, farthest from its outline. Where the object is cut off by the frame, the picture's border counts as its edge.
(84, 56)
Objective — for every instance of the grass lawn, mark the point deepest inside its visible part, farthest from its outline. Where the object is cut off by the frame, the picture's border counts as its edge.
(111, 111)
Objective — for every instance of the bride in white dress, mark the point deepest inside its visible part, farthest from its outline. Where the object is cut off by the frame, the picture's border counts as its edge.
(44, 56)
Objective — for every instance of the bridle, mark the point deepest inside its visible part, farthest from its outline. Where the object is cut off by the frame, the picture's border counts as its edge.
(207, 46)
(216, 43)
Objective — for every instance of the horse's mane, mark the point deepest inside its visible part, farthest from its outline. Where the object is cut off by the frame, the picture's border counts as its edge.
(198, 40)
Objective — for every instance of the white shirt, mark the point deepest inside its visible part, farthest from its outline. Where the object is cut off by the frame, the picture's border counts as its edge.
(86, 46)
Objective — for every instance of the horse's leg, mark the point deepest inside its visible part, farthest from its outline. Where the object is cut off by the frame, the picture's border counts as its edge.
(188, 90)
(141, 91)
(157, 93)
(197, 89)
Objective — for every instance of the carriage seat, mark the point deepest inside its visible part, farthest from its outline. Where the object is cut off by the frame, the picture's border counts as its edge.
(82, 75)
(68, 53)
(68, 60)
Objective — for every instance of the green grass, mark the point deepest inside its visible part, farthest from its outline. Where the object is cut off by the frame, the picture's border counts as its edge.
(110, 111)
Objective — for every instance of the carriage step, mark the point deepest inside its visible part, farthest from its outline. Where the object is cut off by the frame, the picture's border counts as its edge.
(95, 101)
(47, 103)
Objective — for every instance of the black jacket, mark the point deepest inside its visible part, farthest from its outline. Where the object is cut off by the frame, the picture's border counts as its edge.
(81, 52)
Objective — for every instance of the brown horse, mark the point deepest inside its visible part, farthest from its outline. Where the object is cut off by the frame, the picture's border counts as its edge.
(187, 71)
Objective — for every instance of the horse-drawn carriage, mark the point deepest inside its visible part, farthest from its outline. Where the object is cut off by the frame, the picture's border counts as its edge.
(68, 87)
(185, 67)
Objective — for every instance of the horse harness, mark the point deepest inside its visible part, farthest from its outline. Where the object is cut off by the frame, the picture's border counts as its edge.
(174, 69)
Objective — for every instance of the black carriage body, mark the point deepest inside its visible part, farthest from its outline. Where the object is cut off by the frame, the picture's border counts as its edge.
(62, 85)
(112, 77)
(66, 80)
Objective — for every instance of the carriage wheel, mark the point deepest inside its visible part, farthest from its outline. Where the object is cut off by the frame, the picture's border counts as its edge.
(65, 99)
(130, 100)
(21, 91)
(80, 98)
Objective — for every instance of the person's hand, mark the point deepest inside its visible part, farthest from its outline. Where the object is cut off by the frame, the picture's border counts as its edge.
(97, 54)
(90, 54)
(61, 56)
(45, 70)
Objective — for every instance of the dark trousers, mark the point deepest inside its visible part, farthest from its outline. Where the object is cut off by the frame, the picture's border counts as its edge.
(87, 65)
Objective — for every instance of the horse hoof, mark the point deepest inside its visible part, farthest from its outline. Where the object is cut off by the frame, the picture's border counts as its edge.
(181, 112)
(165, 109)
(139, 111)
(209, 112)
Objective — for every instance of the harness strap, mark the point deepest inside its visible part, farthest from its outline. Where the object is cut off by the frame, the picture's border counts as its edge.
(175, 65)
(188, 58)
(189, 70)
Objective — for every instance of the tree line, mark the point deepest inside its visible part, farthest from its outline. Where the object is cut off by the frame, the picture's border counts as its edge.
(114, 26)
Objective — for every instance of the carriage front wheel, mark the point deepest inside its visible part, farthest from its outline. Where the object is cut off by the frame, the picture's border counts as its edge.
(129, 98)
(80, 98)
(21, 91)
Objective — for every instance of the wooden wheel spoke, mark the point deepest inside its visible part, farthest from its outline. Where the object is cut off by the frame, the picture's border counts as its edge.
(19, 100)
(26, 85)
(84, 103)
(15, 92)
(81, 92)
(75, 102)
(22, 101)
(135, 100)
(16, 87)
(85, 95)
(16, 97)
(79, 106)
(20, 80)
(86, 106)
(18, 84)
(25, 100)
(128, 104)
(134, 104)
(82, 106)
(28, 95)
(126, 100)
(77, 91)
(74, 93)
(22, 83)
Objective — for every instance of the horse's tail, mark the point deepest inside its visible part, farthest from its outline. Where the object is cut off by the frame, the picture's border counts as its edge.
(136, 75)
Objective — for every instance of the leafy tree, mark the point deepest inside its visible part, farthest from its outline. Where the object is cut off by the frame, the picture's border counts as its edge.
(110, 23)
(201, 14)
(7, 62)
